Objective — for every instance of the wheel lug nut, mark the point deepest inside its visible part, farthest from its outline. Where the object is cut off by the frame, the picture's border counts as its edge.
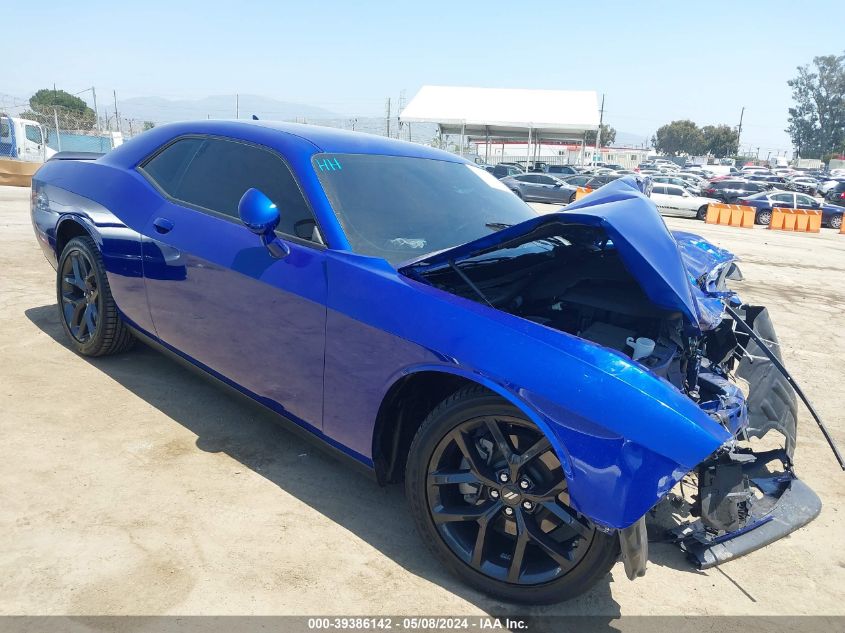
(527, 505)
(494, 494)
(503, 477)
(524, 484)
(509, 511)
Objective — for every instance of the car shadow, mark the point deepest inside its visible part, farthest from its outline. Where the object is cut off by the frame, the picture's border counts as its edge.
(376, 514)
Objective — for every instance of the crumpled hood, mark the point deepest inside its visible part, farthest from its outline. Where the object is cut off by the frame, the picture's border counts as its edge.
(667, 266)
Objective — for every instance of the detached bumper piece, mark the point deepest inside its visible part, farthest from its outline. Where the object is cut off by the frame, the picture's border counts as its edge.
(744, 505)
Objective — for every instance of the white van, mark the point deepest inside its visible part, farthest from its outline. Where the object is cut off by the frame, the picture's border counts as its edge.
(23, 139)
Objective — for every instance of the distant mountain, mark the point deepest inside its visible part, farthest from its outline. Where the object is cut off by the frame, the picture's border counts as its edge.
(162, 110)
(630, 139)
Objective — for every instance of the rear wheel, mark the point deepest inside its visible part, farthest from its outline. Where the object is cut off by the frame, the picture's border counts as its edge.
(490, 499)
(702, 213)
(764, 217)
(86, 308)
(835, 222)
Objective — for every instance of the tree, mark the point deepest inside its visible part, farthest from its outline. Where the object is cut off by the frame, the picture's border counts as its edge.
(148, 125)
(72, 112)
(817, 122)
(679, 137)
(720, 140)
(608, 135)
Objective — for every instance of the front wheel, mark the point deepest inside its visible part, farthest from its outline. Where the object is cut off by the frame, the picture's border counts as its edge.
(518, 194)
(490, 499)
(87, 310)
(764, 217)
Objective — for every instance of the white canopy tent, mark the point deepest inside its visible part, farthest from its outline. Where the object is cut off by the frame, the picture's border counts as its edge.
(504, 113)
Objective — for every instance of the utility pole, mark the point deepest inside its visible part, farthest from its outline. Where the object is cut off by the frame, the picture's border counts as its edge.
(598, 134)
(116, 117)
(387, 118)
(237, 106)
(739, 129)
(96, 112)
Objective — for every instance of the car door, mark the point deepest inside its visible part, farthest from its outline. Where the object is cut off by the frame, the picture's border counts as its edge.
(548, 189)
(803, 201)
(33, 143)
(661, 199)
(216, 294)
(783, 200)
(531, 188)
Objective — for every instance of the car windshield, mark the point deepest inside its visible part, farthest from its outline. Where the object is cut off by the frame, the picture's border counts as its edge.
(400, 208)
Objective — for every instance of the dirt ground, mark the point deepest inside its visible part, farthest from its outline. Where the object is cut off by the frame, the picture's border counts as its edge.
(130, 485)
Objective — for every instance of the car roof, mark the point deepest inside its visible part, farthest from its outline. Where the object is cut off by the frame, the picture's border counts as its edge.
(288, 137)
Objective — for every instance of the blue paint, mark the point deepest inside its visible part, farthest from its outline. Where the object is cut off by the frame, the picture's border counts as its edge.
(322, 334)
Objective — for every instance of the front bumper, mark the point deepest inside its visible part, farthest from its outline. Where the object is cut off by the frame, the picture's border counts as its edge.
(781, 504)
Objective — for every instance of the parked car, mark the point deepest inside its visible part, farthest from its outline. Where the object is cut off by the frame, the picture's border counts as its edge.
(827, 185)
(677, 180)
(836, 194)
(804, 184)
(600, 181)
(765, 201)
(729, 190)
(561, 170)
(673, 199)
(502, 169)
(540, 188)
(404, 309)
(578, 180)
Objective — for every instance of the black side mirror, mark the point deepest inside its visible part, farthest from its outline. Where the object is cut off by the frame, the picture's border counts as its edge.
(261, 216)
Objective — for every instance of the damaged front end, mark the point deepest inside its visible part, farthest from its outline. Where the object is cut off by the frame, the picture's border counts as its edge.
(745, 497)
(609, 272)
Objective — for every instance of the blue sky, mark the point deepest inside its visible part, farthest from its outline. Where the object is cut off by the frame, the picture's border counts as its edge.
(655, 61)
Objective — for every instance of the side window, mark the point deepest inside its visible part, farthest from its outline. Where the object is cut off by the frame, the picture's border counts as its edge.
(674, 191)
(221, 171)
(545, 180)
(659, 189)
(782, 198)
(33, 134)
(522, 178)
(805, 200)
(168, 166)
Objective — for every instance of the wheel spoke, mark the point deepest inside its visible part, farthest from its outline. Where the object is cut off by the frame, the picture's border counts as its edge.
(443, 514)
(552, 548)
(481, 537)
(537, 449)
(515, 567)
(570, 518)
(71, 281)
(476, 463)
(78, 278)
(501, 441)
(445, 477)
(89, 319)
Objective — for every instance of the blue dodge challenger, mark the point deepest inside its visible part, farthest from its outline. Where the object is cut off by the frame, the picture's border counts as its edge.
(541, 383)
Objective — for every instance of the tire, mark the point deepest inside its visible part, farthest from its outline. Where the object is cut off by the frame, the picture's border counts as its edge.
(572, 197)
(86, 307)
(764, 217)
(702, 213)
(835, 221)
(564, 551)
(518, 194)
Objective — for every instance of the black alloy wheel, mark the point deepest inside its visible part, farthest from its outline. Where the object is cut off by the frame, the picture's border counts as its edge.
(87, 310)
(490, 496)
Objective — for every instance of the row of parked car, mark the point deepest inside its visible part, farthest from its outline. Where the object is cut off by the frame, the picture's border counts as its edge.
(686, 191)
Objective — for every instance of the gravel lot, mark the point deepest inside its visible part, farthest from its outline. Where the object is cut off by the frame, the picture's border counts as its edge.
(129, 485)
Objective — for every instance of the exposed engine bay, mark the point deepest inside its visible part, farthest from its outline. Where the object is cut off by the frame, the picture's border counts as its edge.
(572, 278)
